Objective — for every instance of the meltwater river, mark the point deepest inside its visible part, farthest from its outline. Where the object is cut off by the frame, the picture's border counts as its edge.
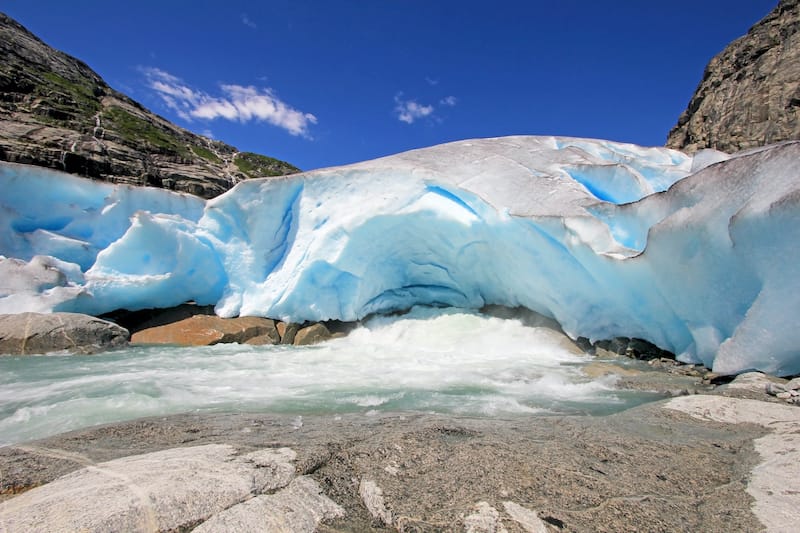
(444, 361)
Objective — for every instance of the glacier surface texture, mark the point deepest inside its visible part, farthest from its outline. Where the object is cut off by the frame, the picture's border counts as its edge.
(698, 255)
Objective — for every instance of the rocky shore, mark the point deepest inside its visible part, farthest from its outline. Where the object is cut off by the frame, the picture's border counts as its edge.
(721, 462)
(720, 455)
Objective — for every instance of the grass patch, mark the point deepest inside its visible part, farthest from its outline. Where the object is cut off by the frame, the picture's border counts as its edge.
(138, 130)
(257, 165)
(205, 153)
(82, 102)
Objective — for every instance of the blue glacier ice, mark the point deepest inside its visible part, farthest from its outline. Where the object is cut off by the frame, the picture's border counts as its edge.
(698, 255)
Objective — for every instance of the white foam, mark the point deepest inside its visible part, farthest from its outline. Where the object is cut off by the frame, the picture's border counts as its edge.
(429, 360)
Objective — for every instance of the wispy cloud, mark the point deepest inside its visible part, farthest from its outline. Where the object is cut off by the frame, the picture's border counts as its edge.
(409, 110)
(431, 81)
(237, 103)
(248, 22)
(449, 101)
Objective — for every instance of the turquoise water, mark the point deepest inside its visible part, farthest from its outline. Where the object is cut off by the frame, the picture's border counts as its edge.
(435, 361)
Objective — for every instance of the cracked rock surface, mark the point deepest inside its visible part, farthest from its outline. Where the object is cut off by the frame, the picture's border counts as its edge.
(719, 462)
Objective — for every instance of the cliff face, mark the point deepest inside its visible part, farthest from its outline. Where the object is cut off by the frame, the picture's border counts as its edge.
(58, 113)
(750, 92)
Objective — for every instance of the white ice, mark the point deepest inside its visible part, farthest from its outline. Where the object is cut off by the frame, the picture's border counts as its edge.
(695, 254)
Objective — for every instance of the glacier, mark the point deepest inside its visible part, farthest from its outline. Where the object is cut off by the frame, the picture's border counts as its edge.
(696, 254)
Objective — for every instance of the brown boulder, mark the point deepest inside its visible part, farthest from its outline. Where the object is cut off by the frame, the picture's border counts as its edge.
(287, 331)
(312, 335)
(33, 333)
(204, 330)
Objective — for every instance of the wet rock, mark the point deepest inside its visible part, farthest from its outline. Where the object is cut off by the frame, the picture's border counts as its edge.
(204, 330)
(312, 334)
(287, 331)
(35, 333)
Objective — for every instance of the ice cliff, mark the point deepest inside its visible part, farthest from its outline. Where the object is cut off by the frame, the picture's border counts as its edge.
(698, 255)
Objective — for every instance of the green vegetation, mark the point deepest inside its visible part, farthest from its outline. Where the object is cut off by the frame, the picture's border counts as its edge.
(206, 154)
(134, 129)
(256, 165)
(66, 101)
(82, 94)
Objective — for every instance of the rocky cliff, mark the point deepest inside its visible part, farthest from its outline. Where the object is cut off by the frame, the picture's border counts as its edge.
(750, 92)
(56, 112)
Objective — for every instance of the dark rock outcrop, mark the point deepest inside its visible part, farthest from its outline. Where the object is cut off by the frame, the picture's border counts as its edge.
(750, 92)
(36, 333)
(56, 112)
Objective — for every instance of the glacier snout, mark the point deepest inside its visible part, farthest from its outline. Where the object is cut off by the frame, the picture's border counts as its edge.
(609, 239)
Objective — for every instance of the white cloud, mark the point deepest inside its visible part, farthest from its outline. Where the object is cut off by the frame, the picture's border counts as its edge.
(409, 110)
(449, 101)
(248, 22)
(431, 81)
(237, 102)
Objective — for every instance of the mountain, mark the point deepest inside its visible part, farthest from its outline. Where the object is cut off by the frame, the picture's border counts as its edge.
(57, 112)
(750, 92)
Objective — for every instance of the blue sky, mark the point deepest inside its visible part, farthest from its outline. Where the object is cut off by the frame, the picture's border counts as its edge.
(322, 83)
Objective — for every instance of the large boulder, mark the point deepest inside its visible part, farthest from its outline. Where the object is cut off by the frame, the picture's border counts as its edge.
(175, 490)
(205, 330)
(750, 92)
(35, 333)
(313, 334)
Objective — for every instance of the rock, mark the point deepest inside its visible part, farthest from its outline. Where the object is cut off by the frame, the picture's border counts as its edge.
(633, 348)
(34, 333)
(264, 340)
(599, 369)
(775, 482)
(204, 330)
(312, 334)
(794, 384)
(372, 496)
(169, 490)
(58, 113)
(642, 349)
(643, 469)
(135, 321)
(750, 92)
(527, 519)
(287, 331)
(299, 508)
(775, 388)
(484, 519)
